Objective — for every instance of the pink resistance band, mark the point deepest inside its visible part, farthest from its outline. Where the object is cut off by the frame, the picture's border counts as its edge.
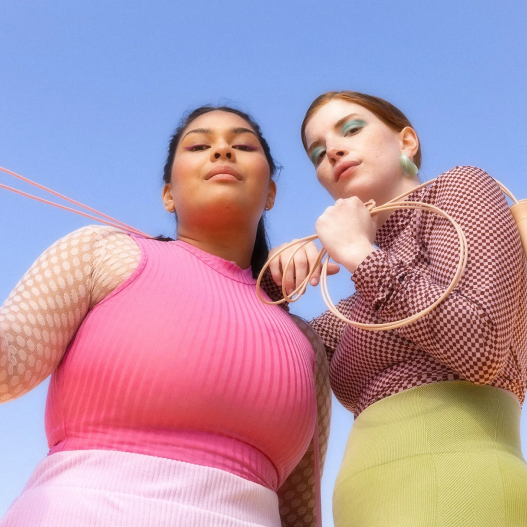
(108, 220)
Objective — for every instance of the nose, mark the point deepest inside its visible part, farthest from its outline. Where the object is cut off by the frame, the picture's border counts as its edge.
(222, 151)
(335, 153)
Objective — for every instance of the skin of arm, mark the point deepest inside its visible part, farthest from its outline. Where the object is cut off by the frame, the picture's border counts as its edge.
(44, 311)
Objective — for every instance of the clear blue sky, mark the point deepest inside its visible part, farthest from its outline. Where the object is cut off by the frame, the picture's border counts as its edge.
(90, 92)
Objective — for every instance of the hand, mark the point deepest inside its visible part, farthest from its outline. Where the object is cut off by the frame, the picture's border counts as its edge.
(304, 261)
(347, 231)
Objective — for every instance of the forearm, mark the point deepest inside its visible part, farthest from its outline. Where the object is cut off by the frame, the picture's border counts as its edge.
(458, 332)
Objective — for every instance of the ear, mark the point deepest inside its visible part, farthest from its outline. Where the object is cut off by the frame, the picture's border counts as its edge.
(168, 200)
(409, 141)
(271, 196)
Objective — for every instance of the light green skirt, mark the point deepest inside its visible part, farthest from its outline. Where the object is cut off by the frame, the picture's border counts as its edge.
(443, 455)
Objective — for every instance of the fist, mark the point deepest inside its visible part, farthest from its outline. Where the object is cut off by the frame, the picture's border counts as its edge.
(347, 231)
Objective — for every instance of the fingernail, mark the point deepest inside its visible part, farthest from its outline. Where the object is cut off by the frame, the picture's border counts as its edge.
(314, 281)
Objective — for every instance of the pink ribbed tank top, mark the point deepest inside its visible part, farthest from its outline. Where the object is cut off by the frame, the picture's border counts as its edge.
(182, 361)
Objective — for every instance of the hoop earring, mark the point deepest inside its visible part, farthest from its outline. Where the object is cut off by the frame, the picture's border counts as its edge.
(408, 166)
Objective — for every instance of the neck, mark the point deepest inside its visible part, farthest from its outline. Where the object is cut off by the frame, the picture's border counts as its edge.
(234, 245)
(408, 184)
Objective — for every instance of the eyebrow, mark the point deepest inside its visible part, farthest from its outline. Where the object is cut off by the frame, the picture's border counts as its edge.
(338, 125)
(208, 131)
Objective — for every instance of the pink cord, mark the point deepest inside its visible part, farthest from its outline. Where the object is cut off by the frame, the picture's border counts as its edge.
(108, 221)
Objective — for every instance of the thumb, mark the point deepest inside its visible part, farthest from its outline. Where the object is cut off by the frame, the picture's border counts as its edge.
(333, 269)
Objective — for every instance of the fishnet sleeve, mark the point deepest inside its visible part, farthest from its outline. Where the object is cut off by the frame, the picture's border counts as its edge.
(297, 497)
(43, 312)
(471, 330)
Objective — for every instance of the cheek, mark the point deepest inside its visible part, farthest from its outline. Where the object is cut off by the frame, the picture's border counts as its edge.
(183, 166)
(325, 178)
(258, 176)
(258, 168)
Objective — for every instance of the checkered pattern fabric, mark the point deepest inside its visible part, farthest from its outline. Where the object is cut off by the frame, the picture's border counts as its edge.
(479, 333)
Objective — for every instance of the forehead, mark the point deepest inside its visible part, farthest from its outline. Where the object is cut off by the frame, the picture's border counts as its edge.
(324, 118)
(219, 120)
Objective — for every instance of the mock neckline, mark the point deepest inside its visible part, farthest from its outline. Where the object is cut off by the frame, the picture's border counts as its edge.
(397, 222)
(224, 267)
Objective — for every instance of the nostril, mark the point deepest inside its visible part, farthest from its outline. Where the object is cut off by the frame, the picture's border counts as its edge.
(229, 155)
(217, 155)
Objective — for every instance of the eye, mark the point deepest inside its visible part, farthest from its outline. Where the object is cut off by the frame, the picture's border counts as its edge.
(196, 148)
(318, 154)
(352, 127)
(246, 148)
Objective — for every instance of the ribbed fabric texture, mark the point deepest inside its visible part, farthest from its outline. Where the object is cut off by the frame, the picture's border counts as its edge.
(440, 455)
(101, 488)
(182, 361)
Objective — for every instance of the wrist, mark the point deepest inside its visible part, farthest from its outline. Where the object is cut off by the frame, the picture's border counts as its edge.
(353, 256)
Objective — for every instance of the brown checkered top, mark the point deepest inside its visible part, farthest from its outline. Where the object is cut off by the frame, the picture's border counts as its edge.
(479, 333)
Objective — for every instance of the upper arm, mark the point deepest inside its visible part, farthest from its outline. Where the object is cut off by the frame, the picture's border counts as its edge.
(43, 312)
(495, 256)
(297, 495)
(471, 330)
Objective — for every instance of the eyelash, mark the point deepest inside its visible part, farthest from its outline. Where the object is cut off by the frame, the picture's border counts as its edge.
(316, 160)
(243, 148)
(346, 132)
(352, 129)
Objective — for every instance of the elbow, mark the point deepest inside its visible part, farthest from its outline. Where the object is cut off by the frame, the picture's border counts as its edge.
(486, 365)
(10, 385)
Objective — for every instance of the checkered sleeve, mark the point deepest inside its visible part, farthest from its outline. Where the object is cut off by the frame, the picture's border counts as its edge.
(330, 328)
(470, 332)
(272, 290)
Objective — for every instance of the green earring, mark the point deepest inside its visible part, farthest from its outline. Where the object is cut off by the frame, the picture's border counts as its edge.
(408, 165)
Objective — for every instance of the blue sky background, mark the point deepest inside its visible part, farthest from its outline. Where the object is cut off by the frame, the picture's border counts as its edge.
(91, 91)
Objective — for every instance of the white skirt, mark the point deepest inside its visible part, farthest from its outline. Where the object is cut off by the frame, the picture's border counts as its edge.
(103, 488)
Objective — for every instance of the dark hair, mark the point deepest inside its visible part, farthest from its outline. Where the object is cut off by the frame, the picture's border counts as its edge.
(261, 244)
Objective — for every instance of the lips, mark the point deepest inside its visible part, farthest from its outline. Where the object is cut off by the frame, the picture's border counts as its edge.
(343, 167)
(223, 170)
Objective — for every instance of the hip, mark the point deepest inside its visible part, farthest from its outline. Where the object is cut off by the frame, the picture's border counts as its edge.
(97, 487)
(441, 454)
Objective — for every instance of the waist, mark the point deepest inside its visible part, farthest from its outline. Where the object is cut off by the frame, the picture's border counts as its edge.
(444, 417)
(200, 448)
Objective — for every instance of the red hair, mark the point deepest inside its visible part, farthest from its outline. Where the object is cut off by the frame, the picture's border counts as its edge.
(385, 111)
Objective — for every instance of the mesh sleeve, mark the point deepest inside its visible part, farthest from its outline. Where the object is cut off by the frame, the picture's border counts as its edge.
(43, 312)
(297, 496)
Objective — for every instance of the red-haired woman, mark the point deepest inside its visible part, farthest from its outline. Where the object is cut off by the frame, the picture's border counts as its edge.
(176, 398)
(437, 403)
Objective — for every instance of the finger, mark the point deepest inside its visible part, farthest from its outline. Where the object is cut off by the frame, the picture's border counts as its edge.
(301, 267)
(288, 275)
(276, 270)
(333, 269)
(312, 252)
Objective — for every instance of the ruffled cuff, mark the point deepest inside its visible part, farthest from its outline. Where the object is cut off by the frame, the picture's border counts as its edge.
(378, 279)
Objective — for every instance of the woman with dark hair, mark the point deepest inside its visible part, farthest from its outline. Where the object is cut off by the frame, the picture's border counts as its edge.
(436, 439)
(176, 397)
